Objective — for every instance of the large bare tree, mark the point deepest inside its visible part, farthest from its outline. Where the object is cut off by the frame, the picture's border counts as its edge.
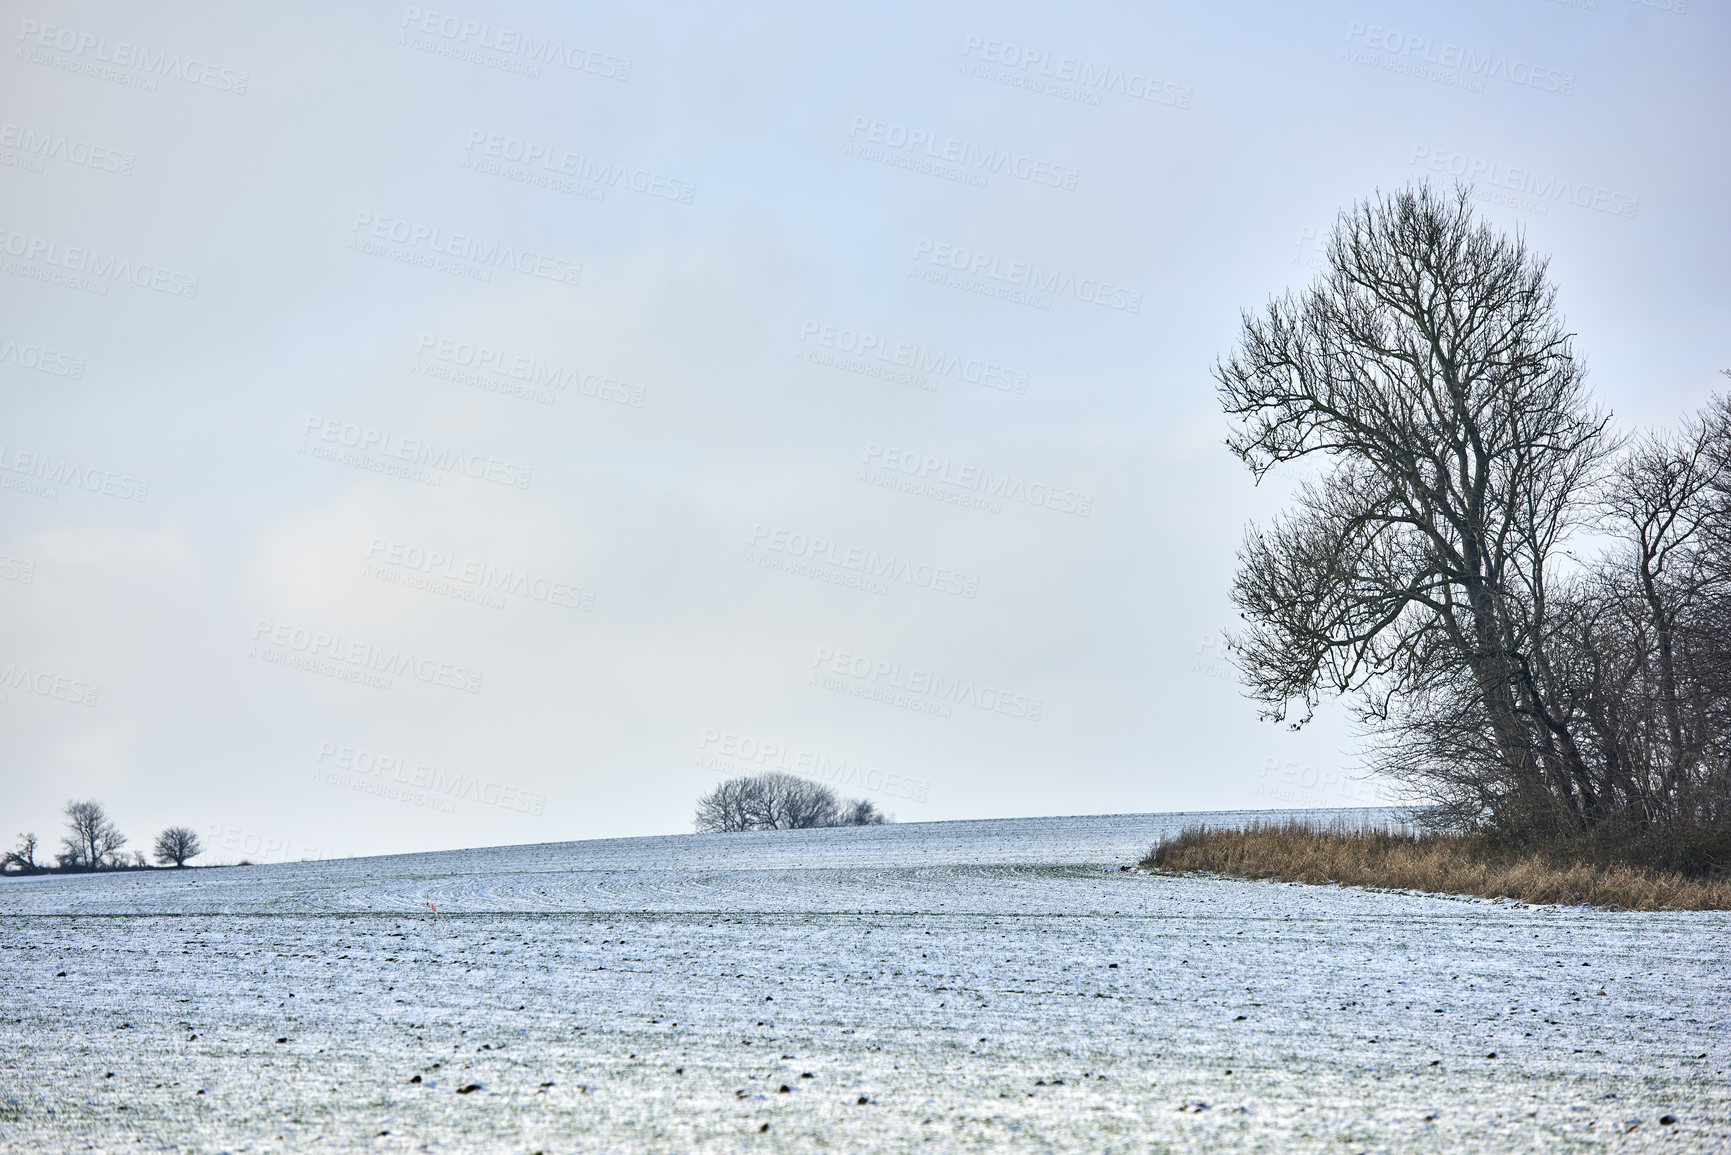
(1429, 375)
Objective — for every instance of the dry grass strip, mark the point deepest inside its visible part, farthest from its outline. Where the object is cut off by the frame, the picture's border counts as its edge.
(1436, 863)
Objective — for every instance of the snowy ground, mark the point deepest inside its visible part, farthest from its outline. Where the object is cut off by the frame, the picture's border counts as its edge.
(989, 985)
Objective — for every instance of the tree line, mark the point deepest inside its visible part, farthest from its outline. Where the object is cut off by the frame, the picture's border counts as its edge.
(1528, 612)
(779, 801)
(93, 842)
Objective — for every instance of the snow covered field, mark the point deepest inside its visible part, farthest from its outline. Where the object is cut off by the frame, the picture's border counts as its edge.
(996, 985)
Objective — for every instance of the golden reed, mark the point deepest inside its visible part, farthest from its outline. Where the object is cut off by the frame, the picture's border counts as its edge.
(1437, 863)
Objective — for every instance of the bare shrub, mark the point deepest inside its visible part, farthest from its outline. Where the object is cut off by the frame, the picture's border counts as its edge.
(863, 812)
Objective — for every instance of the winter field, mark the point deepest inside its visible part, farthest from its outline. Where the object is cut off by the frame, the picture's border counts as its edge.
(993, 985)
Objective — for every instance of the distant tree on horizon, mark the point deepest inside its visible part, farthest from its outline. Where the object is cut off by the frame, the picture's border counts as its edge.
(23, 858)
(177, 844)
(863, 812)
(777, 801)
(91, 841)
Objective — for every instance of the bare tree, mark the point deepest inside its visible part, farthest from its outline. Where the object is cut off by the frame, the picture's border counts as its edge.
(757, 803)
(801, 804)
(177, 844)
(862, 812)
(92, 841)
(1429, 372)
(731, 806)
(1649, 659)
(1664, 504)
(778, 801)
(1709, 627)
(22, 859)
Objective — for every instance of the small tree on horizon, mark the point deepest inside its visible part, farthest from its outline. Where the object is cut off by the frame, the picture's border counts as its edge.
(177, 844)
(777, 801)
(863, 812)
(24, 857)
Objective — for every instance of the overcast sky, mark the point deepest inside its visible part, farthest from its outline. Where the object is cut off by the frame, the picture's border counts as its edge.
(424, 431)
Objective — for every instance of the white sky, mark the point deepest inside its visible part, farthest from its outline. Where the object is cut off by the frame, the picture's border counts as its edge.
(739, 209)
